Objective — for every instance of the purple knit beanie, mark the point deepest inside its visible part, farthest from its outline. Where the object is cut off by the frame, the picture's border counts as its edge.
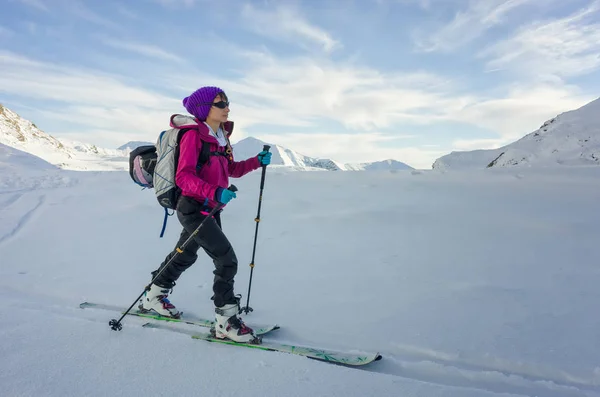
(199, 102)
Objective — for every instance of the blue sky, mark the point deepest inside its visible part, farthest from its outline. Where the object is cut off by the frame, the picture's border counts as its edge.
(355, 81)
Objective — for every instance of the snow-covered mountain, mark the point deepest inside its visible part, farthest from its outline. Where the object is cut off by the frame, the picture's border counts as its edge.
(571, 138)
(289, 158)
(129, 146)
(21, 134)
(380, 165)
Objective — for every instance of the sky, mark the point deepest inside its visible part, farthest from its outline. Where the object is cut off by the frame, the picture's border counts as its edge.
(355, 81)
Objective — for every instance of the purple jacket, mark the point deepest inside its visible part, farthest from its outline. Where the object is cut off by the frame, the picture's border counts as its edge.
(203, 183)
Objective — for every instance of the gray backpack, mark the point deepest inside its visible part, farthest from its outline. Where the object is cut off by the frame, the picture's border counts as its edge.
(167, 155)
(154, 166)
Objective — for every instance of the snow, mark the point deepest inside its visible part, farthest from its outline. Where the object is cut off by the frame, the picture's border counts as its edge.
(571, 138)
(129, 146)
(471, 283)
(23, 135)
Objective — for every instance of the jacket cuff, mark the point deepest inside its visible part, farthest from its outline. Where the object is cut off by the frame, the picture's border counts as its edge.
(218, 193)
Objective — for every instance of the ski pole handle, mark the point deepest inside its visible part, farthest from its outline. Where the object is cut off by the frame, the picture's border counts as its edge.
(264, 168)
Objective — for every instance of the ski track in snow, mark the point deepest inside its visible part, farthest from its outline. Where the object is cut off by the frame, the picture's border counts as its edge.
(10, 200)
(485, 376)
(505, 367)
(24, 219)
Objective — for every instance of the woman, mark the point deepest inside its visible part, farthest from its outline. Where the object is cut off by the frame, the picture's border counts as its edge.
(201, 190)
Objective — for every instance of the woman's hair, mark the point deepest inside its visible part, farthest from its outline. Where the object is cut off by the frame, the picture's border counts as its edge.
(223, 96)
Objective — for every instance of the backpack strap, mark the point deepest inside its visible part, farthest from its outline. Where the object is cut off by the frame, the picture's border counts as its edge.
(204, 154)
(164, 226)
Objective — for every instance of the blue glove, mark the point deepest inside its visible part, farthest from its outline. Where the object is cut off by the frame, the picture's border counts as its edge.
(264, 157)
(224, 196)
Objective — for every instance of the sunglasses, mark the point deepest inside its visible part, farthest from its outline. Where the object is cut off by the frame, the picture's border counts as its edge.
(220, 104)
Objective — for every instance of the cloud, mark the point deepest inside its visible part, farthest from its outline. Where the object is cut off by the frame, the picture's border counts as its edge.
(468, 25)
(35, 4)
(81, 11)
(22, 76)
(521, 110)
(303, 90)
(143, 49)
(86, 100)
(291, 93)
(176, 3)
(5, 32)
(562, 47)
(284, 23)
(476, 144)
(424, 4)
(110, 126)
(126, 12)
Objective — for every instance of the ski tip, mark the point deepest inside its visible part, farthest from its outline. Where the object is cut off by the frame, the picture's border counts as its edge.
(83, 305)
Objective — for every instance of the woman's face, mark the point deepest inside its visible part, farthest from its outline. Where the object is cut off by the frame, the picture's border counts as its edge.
(219, 111)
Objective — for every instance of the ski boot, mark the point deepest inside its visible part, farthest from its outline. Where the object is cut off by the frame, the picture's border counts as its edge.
(229, 326)
(155, 301)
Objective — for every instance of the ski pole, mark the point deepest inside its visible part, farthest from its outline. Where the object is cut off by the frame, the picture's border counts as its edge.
(116, 325)
(247, 308)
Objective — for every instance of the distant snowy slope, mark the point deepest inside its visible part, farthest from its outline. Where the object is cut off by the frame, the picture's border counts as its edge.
(21, 171)
(282, 156)
(571, 138)
(286, 157)
(14, 159)
(22, 134)
(129, 146)
(380, 165)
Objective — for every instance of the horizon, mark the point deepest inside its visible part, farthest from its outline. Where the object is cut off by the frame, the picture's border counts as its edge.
(439, 77)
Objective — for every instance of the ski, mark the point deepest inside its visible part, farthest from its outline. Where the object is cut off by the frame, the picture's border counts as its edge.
(185, 318)
(353, 359)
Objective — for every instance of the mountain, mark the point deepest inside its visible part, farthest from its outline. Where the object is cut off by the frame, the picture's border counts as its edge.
(21, 134)
(380, 165)
(286, 157)
(129, 146)
(571, 138)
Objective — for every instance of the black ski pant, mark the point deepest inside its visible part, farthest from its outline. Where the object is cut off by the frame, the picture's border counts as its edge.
(215, 244)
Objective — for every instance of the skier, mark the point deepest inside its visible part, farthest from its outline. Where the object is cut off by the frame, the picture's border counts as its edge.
(201, 190)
